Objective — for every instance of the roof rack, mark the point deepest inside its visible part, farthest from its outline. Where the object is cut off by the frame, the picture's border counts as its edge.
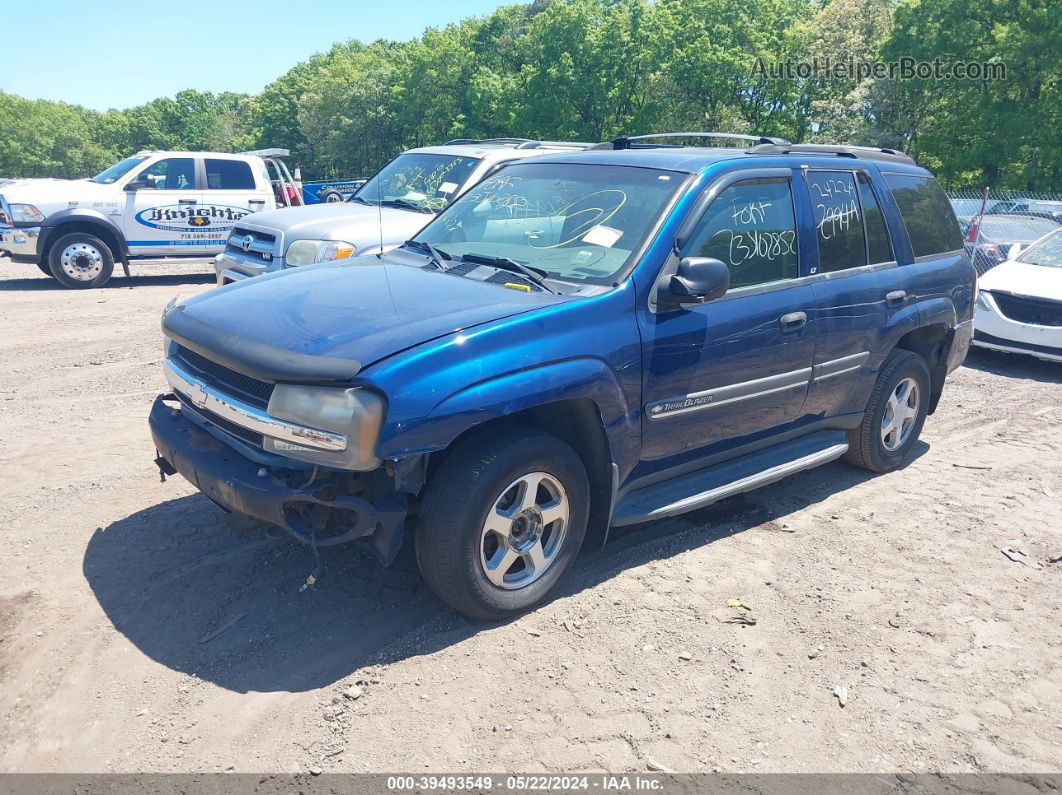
(866, 152)
(520, 143)
(636, 141)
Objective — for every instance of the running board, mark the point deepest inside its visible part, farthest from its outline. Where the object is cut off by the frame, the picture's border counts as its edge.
(703, 487)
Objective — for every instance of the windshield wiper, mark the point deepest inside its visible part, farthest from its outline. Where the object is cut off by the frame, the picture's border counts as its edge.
(360, 200)
(408, 204)
(436, 256)
(536, 275)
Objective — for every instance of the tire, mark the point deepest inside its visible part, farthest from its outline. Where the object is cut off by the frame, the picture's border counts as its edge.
(482, 478)
(881, 443)
(45, 268)
(80, 261)
(331, 197)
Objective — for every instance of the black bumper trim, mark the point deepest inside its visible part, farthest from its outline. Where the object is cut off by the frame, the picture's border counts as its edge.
(235, 484)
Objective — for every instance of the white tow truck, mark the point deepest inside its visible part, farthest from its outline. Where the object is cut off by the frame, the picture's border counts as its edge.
(147, 206)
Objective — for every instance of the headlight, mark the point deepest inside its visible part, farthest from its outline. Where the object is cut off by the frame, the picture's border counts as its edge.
(356, 413)
(25, 213)
(982, 300)
(306, 252)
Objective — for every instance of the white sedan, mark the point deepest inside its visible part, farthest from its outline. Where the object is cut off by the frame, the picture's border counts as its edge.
(1019, 303)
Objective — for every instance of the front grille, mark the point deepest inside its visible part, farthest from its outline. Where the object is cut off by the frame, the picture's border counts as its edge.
(263, 237)
(244, 387)
(1037, 311)
(263, 249)
(244, 434)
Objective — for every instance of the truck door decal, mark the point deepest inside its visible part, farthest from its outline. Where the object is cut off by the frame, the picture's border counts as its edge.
(195, 225)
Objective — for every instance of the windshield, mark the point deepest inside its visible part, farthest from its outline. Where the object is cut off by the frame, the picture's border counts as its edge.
(580, 223)
(1047, 252)
(118, 169)
(421, 181)
(1016, 227)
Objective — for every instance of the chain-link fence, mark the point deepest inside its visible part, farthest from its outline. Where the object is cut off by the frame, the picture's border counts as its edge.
(994, 222)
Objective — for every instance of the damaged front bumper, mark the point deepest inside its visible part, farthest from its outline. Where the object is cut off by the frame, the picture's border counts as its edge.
(317, 510)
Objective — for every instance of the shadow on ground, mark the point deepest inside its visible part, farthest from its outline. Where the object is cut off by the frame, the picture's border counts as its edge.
(45, 283)
(1014, 365)
(196, 598)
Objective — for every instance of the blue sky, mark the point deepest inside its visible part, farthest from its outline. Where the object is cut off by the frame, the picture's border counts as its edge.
(116, 53)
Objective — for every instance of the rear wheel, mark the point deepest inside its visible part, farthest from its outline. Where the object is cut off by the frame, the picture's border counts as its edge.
(331, 196)
(502, 520)
(80, 261)
(894, 416)
(45, 268)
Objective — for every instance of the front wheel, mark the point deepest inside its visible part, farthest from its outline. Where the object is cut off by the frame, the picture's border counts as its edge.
(502, 520)
(894, 416)
(80, 261)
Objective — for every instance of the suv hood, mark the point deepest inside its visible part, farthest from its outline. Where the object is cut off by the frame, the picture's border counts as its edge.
(1034, 281)
(355, 223)
(327, 322)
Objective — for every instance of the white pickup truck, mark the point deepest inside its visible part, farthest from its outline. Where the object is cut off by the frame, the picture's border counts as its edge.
(149, 205)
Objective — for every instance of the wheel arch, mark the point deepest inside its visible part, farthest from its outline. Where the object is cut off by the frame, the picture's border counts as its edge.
(931, 342)
(87, 221)
(578, 422)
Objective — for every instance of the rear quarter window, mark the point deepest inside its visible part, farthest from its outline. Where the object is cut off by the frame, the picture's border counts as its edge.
(228, 175)
(927, 214)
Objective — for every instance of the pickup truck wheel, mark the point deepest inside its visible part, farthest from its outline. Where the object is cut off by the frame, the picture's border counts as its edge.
(45, 268)
(501, 521)
(80, 261)
(331, 196)
(894, 416)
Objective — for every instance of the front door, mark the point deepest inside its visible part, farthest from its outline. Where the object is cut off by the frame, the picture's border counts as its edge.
(737, 368)
(163, 219)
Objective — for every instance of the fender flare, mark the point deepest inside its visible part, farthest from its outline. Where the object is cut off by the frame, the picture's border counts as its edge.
(54, 222)
(509, 393)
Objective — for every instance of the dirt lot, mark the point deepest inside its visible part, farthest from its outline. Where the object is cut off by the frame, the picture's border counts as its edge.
(137, 633)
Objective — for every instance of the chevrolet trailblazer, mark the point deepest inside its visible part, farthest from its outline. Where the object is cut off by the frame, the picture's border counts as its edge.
(580, 341)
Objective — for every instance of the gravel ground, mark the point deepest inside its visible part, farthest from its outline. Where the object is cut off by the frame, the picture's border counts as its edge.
(880, 627)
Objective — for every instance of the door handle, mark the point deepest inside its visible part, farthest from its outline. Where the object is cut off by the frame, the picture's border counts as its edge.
(896, 297)
(187, 201)
(793, 321)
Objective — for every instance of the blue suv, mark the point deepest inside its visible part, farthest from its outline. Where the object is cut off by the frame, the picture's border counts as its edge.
(579, 342)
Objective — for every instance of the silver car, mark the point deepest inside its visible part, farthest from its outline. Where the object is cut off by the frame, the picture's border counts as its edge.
(400, 199)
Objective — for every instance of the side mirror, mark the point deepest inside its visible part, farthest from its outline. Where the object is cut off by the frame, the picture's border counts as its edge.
(697, 280)
(141, 182)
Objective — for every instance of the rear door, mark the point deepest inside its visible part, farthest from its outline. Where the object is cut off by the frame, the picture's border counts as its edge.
(859, 287)
(230, 192)
(162, 220)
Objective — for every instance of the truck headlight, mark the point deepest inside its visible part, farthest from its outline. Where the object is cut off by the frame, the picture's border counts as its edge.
(354, 412)
(306, 252)
(26, 213)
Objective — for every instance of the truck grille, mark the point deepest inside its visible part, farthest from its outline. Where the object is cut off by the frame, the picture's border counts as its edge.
(263, 246)
(252, 438)
(240, 386)
(1037, 311)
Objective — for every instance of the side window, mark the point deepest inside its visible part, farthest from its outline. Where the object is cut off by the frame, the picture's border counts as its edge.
(228, 175)
(174, 173)
(838, 222)
(879, 249)
(751, 227)
(927, 214)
